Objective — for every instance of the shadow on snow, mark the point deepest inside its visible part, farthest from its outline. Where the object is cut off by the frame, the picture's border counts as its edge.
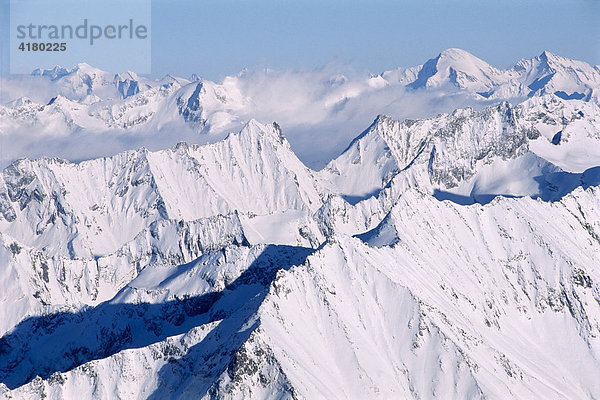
(551, 187)
(59, 342)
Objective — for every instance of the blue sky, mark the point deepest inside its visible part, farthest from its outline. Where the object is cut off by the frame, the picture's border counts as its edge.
(112, 55)
(216, 38)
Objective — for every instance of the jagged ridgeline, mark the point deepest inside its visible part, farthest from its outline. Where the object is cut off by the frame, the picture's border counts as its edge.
(453, 257)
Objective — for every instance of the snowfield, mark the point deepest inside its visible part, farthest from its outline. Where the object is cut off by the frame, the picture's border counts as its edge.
(451, 256)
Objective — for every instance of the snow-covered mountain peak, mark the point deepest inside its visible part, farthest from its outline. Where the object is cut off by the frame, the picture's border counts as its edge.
(84, 80)
(551, 58)
(547, 73)
(20, 102)
(85, 74)
(537, 65)
(60, 100)
(54, 73)
(366, 165)
(379, 124)
(457, 68)
(256, 134)
(550, 73)
(126, 75)
(170, 79)
(85, 68)
(523, 150)
(555, 62)
(267, 144)
(255, 129)
(210, 106)
(459, 57)
(128, 84)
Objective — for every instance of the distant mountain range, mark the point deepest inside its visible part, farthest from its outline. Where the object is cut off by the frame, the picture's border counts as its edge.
(87, 98)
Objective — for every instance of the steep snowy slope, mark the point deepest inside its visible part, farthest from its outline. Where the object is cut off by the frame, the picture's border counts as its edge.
(34, 283)
(441, 300)
(537, 148)
(382, 321)
(87, 229)
(71, 209)
(222, 289)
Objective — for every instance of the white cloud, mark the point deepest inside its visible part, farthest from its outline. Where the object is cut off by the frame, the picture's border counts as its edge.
(320, 111)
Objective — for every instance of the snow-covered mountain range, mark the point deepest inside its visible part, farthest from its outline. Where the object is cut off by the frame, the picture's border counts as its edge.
(118, 112)
(453, 256)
